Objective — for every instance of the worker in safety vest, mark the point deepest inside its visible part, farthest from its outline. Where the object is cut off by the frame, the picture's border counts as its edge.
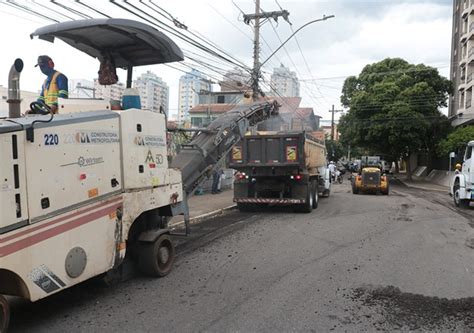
(55, 84)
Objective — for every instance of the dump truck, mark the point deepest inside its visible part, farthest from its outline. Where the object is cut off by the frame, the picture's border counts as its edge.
(370, 177)
(462, 184)
(280, 168)
(89, 191)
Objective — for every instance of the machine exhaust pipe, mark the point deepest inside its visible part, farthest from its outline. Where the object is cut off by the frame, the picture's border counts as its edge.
(14, 98)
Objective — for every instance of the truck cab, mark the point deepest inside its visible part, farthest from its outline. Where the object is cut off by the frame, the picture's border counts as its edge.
(462, 185)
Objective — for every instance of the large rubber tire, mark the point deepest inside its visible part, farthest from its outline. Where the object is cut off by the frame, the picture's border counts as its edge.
(307, 207)
(463, 203)
(157, 258)
(4, 314)
(387, 191)
(315, 194)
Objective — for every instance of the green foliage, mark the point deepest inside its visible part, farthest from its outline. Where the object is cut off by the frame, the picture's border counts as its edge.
(394, 108)
(335, 150)
(457, 140)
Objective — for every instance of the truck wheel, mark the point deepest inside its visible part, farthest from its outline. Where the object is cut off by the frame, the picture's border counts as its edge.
(457, 200)
(386, 192)
(157, 258)
(315, 195)
(307, 207)
(4, 314)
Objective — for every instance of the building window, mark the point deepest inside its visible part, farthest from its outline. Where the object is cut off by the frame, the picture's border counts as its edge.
(220, 99)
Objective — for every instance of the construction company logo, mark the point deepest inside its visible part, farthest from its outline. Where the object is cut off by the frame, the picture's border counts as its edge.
(44, 278)
(149, 141)
(152, 160)
(86, 161)
(96, 137)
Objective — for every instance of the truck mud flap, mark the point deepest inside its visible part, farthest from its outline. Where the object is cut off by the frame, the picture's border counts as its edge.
(270, 201)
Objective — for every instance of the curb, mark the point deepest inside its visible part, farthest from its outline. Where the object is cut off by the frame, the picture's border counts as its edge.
(200, 218)
(422, 187)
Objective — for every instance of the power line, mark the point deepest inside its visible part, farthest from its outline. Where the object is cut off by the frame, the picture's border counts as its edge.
(27, 9)
(401, 72)
(172, 31)
(192, 32)
(50, 9)
(72, 10)
(92, 8)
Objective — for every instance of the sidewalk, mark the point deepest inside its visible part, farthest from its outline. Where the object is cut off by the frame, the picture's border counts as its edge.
(206, 206)
(421, 184)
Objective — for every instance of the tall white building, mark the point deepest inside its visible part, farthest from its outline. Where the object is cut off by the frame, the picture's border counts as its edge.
(190, 85)
(236, 80)
(154, 92)
(285, 82)
(114, 91)
(461, 107)
(79, 88)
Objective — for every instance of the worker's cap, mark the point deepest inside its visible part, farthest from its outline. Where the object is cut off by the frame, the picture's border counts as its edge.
(43, 59)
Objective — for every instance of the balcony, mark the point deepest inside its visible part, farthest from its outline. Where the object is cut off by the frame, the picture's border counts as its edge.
(468, 104)
(464, 37)
(469, 78)
(471, 52)
(466, 10)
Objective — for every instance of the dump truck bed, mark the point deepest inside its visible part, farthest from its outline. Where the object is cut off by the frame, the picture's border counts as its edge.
(277, 150)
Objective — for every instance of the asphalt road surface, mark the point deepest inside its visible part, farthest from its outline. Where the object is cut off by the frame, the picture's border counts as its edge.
(357, 262)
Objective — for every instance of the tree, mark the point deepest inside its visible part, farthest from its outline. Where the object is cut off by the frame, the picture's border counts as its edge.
(394, 109)
(457, 140)
(334, 149)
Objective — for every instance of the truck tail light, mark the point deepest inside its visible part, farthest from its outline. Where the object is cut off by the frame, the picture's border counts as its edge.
(298, 177)
(242, 176)
(359, 178)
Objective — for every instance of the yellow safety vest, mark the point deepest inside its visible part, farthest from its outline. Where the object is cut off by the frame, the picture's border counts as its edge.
(50, 93)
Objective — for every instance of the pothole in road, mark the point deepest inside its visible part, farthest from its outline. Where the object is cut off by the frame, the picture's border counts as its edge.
(416, 312)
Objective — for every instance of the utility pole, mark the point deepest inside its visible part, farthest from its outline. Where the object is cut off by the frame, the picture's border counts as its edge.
(332, 121)
(256, 52)
(256, 43)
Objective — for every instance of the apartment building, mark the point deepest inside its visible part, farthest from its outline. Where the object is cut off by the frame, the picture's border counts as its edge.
(190, 86)
(285, 82)
(461, 108)
(154, 92)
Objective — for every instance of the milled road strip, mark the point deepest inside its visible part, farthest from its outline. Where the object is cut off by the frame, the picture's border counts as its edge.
(205, 216)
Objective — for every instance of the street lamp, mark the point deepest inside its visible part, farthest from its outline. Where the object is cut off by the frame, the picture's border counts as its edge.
(324, 18)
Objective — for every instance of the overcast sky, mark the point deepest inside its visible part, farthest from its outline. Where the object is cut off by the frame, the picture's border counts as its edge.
(362, 32)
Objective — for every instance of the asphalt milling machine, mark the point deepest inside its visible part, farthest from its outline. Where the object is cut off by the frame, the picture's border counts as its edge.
(89, 191)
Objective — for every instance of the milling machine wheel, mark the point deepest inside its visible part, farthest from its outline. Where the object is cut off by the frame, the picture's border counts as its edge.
(157, 258)
(4, 314)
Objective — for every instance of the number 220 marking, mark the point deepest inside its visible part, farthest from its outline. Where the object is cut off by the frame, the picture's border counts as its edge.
(51, 139)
